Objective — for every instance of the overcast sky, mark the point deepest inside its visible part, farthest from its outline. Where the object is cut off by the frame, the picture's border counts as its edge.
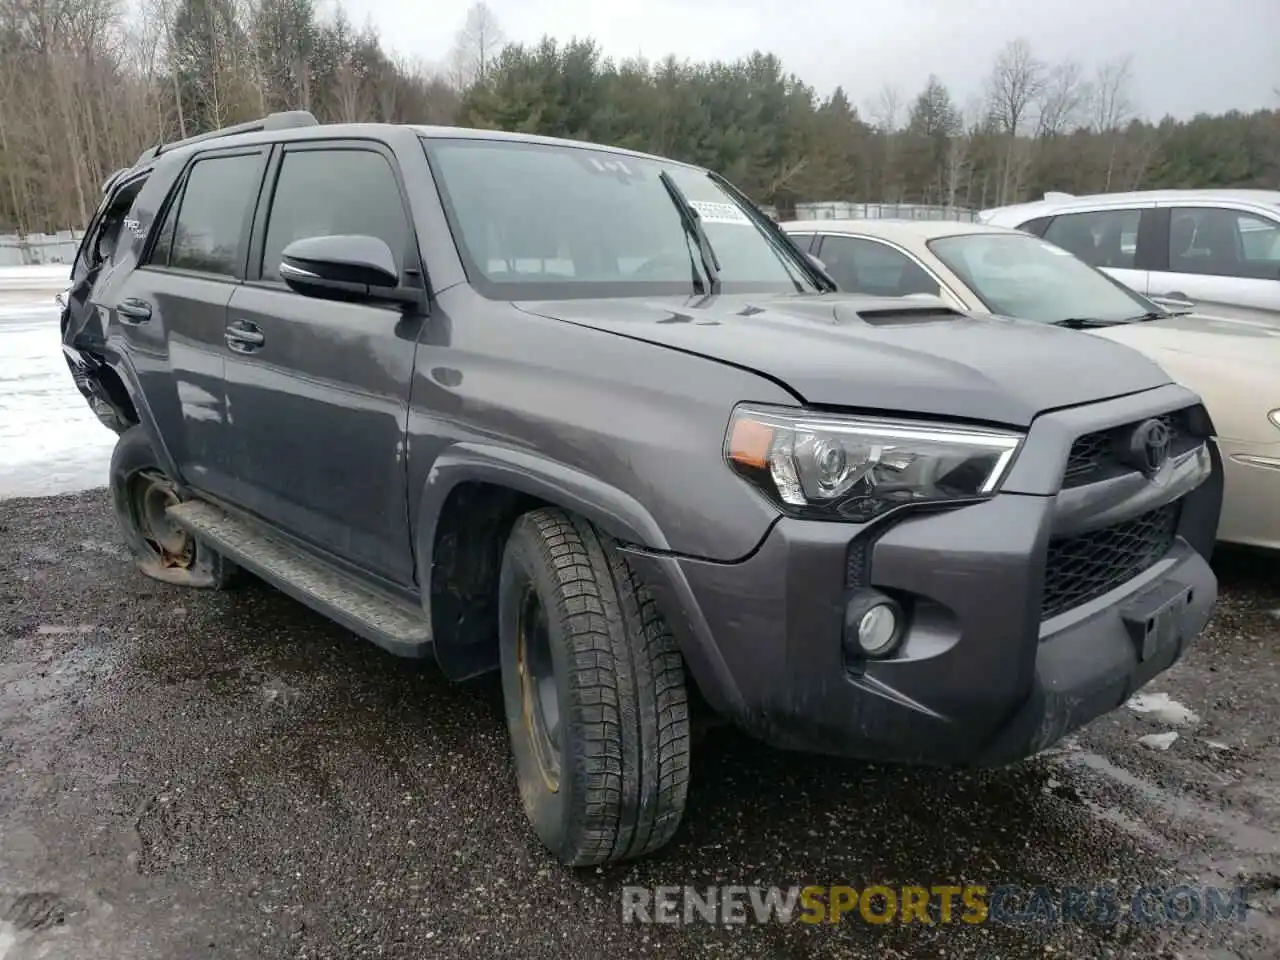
(1189, 55)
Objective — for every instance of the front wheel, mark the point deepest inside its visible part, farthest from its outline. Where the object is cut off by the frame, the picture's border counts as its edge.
(141, 493)
(593, 686)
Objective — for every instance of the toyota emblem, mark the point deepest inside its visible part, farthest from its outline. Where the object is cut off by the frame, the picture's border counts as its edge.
(1149, 447)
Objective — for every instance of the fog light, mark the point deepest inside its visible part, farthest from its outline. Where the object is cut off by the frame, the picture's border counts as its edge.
(873, 625)
(877, 629)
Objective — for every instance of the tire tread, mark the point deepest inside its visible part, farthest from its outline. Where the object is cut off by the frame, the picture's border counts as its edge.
(627, 683)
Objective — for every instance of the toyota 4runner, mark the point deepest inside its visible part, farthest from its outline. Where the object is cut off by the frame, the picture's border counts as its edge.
(588, 418)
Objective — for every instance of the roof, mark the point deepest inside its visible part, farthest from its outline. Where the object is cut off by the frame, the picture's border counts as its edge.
(470, 133)
(1062, 201)
(301, 125)
(1218, 193)
(896, 230)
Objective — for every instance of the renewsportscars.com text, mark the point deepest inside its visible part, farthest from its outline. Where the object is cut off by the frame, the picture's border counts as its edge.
(938, 904)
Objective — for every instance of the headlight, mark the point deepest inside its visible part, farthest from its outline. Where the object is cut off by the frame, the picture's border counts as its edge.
(1274, 417)
(852, 468)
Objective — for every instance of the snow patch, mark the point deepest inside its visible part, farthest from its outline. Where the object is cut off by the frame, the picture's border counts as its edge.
(1161, 708)
(1159, 741)
(39, 276)
(51, 441)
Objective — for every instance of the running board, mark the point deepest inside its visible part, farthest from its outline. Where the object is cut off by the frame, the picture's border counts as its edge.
(396, 627)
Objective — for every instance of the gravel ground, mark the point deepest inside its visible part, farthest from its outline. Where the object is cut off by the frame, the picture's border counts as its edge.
(188, 774)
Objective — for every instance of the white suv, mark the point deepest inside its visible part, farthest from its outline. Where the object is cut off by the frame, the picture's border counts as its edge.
(1213, 249)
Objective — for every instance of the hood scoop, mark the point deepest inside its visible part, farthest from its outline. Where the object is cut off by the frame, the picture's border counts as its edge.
(898, 316)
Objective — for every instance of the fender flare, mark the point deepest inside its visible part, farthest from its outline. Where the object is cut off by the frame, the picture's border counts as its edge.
(614, 511)
(122, 366)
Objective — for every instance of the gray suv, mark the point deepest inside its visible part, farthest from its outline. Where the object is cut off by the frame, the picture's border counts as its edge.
(588, 418)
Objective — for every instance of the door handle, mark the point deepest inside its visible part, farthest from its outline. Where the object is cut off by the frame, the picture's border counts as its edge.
(134, 310)
(244, 337)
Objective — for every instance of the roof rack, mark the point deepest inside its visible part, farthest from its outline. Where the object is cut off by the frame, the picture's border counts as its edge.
(1059, 195)
(286, 120)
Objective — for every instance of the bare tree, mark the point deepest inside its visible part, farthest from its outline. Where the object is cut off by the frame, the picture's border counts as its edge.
(1016, 83)
(476, 46)
(166, 15)
(1062, 100)
(351, 94)
(957, 166)
(1111, 107)
(885, 110)
(17, 185)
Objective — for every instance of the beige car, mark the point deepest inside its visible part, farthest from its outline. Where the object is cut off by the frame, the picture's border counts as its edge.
(1230, 362)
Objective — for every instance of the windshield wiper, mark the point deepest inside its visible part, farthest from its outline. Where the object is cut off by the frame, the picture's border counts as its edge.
(1086, 323)
(692, 224)
(1089, 323)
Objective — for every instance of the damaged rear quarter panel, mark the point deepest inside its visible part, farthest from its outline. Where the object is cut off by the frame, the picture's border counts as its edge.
(139, 355)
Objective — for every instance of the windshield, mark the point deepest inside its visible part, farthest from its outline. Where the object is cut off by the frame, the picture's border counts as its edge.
(536, 221)
(1018, 275)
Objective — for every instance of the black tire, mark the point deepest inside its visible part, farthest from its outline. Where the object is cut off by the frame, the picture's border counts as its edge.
(623, 736)
(139, 490)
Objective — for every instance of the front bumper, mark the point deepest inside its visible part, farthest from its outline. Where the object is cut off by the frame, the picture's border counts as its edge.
(979, 679)
(998, 661)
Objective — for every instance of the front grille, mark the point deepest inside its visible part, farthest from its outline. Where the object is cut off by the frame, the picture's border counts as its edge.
(1084, 567)
(1094, 456)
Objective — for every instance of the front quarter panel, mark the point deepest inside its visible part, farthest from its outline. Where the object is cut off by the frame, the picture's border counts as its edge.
(629, 433)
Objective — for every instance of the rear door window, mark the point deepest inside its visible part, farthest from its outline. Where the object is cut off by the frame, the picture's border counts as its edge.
(209, 230)
(866, 266)
(1101, 238)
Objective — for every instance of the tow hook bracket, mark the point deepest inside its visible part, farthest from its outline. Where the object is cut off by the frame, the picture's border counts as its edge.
(1154, 618)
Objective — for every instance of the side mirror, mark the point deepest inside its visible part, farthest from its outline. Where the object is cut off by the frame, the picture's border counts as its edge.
(816, 262)
(346, 267)
(1174, 300)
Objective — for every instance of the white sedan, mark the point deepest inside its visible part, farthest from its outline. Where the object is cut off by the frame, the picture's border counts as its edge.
(1230, 362)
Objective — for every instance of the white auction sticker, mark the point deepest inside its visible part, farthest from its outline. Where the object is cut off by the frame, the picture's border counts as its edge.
(719, 212)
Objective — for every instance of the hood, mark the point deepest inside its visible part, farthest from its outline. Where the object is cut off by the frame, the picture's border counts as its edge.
(1230, 363)
(886, 355)
(1233, 339)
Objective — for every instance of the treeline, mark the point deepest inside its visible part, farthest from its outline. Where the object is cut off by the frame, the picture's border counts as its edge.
(85, 85)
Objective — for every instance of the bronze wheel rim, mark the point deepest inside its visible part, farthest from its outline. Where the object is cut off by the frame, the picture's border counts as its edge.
(150, 495)
(539, 698)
